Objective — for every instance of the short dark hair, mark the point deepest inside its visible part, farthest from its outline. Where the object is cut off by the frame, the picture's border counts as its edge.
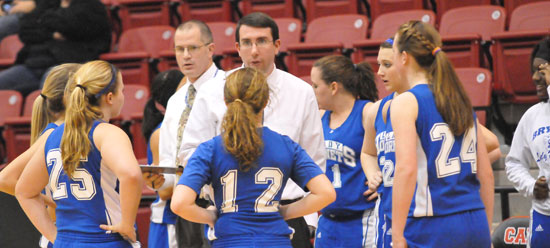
(258, 20)
(206, 33)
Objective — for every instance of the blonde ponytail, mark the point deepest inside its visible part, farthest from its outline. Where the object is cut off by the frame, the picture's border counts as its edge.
(92, 81)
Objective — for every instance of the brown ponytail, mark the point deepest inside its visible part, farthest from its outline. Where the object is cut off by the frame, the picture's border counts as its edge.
(357, 79)
(421, 41)
(50, 102)
(84, 93)
(246, 94)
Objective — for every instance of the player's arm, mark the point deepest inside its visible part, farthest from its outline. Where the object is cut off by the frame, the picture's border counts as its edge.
(485, 176)
(183, 204)
(321, 194)
(28, 192)
(491, 142)
(404, 112)
(10, 174)
(369, 159)
(196, 174)
(117, 154)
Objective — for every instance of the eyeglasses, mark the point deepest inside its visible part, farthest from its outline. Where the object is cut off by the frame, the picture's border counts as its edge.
(190, 49)
(261, 42)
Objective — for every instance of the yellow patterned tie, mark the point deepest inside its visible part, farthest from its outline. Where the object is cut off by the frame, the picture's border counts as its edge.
(189, 99)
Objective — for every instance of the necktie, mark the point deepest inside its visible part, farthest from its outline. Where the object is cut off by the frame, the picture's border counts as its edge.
(190, 98)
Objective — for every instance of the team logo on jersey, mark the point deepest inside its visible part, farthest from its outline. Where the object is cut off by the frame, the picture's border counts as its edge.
(516, 235)
(338, 152)
(385, 141)
(539, 229)
(541, 130)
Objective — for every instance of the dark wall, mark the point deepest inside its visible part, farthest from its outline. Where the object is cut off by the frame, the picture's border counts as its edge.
(15, 228)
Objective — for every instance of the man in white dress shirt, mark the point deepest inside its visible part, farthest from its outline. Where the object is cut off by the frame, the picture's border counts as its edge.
(194, 47)
(292, 109)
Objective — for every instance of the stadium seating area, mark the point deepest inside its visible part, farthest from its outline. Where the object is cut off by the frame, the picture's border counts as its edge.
(489, 41)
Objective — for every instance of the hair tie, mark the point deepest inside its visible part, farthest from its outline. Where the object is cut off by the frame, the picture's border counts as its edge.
(390, 41)
(436, 50)
(238, 100)
(82, 87)
(44, 96)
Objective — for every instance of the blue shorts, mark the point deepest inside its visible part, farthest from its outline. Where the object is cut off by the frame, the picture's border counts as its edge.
(464, 229)
(355, 231)
(162, 236)
(386, 233)
(379, 236)
(540, 230)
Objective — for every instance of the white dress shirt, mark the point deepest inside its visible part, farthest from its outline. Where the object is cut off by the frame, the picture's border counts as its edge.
(292, 110)
(531, 146)
(176, 104)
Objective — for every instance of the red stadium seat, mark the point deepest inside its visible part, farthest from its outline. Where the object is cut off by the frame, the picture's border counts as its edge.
(29, 102)
(443, 6)
(384, 27)
(531, 16)
(9, 47)
(134, 101)
(273, 8)
(326, 36)
(307, 79)
(143, 219)
(140, 13)
(463, 30)
(511, 5)
(379, 7)
(136, 47)
(529, 23)
(11, 102)
(206, 10)
(321, 8)
(477, 83)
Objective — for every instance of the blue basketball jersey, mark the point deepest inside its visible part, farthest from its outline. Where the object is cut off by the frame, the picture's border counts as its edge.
(88, 200)
(160, 209)
(446, 181)
(248, 202)
(343, 146)
(385, 148)
(50, 125)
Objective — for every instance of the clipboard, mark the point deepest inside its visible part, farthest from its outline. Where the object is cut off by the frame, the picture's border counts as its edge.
(160, 169)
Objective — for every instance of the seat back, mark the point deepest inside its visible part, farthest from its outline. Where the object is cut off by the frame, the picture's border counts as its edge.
(151, 39)
(141, 13)
(512, 232)
(531, 16)
(379, 7)
(337, 28)
(224, 36)
(484, 20)
(477, 83)
(320, 8)
(290, 31)
(11, 102)
(511, 5)
(9, 47)
(206, 10)
(134, 101)
(386, 25)
(29, 102)
(443, 6)
(273, 8)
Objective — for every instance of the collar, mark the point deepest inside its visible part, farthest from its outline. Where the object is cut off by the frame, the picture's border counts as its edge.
(210, 73)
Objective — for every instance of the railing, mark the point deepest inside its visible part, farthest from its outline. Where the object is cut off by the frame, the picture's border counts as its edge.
(504, 199)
